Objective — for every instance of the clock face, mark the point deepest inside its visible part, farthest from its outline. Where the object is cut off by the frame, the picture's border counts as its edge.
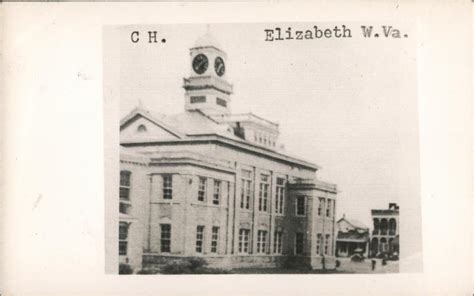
(219, 66)
(200, 64)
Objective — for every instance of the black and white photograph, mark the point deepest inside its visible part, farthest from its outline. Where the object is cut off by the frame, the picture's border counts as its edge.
(292, 150)
(236, 148)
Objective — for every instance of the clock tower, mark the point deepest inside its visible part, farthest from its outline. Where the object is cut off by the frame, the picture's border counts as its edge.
(206, 88)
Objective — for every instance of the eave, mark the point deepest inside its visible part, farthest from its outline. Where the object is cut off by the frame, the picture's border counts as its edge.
(220, 140)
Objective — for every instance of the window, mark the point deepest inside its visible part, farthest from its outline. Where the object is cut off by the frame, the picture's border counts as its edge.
(199, 238)
(246, 189)
(277, 242)
(167, 187)
(318, 243)
(280, 195)
(217, 192)
(261, 241)
(165, 240)
(300, 206)
(141, 128)
(383, 245)
(123, 238)
(198, 99)
(376, 226)
(125, 208)
(263, 194)
(328, 208)
(215, 239)
(125, 185)
(375, 246)
(326, 245)
(221, 102)
(202, 189)
(383, 226)
(299, 243)
(392, 226)
(320, 206)
(244, 235)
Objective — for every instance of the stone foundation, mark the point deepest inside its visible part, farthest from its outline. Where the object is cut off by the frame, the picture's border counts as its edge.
(319, 263)
(222, 262)
(244, 261)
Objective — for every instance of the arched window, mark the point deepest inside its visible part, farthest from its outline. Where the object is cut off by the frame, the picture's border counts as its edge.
(383, 244)
(392, 226)
(383, 226)
(375, 246)
(376, 226)
(390, 245)
(141, 128)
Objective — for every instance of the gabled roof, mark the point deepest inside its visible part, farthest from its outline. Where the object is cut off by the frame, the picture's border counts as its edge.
(195, 123)
(355, 223)
(196, 126)
(137, 112)
(182, 125)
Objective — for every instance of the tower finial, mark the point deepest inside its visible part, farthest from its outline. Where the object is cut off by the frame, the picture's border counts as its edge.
(208, 28)
(140, 104)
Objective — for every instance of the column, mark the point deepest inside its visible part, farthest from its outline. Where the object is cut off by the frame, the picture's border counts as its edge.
(253, 243)
(271, 200)
(236, 216)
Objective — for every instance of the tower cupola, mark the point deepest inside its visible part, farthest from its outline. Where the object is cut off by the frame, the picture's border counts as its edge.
(207, 88)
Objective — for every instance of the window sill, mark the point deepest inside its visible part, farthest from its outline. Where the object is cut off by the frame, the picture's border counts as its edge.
(199, 204)
(164, 201)
(300, 216)
(245, 210)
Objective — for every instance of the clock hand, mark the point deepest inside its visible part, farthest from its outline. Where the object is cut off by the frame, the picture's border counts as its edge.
(201, 63)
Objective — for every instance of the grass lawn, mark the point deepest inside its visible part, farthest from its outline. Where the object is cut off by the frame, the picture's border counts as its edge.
(345, 266)
(253, 270)
(278, 270)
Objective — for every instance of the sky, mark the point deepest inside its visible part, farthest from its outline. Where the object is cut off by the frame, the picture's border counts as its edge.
(343, 104)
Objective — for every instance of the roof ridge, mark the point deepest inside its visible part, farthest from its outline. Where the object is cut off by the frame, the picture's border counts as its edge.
(204, 114)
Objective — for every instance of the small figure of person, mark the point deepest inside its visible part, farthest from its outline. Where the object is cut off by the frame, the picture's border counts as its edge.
(374, 262)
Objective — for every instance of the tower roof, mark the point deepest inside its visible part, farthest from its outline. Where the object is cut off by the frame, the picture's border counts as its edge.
(207, 40)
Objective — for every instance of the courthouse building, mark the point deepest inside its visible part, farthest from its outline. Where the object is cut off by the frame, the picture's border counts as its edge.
(217, 185)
